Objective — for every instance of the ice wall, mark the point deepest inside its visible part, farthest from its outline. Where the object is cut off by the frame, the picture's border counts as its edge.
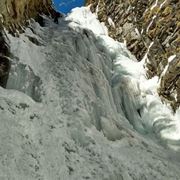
(78, 106)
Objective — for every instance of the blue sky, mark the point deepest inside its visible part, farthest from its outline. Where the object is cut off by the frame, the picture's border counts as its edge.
(65, 6)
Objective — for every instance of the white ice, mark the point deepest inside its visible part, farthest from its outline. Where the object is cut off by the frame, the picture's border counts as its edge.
(78, 106)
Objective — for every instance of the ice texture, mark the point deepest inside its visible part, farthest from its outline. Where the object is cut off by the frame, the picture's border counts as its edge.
(78, 106)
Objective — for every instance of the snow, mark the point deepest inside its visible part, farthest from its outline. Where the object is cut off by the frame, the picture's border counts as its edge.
(87, 21)
(137, 32)
(97, 9)
(162, 4)
(154, 5)
(78, 106)
(170, 61)
(171, 58)
(150, 24)
(145, 58)
(111, 23)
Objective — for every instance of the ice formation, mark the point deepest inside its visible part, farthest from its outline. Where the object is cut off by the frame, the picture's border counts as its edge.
(78, 106)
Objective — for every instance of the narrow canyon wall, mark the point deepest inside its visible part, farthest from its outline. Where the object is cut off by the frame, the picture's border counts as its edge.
(14, 15)
(151, 30)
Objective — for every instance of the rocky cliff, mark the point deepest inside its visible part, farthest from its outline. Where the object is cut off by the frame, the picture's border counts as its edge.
(14, 15)
(151, 31)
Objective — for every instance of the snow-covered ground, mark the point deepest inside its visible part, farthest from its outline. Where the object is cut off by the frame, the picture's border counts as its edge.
(78, 106)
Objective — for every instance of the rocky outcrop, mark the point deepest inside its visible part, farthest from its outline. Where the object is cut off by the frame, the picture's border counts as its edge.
(15, 13)
(13, 16)
(4, 61)
(151, 31)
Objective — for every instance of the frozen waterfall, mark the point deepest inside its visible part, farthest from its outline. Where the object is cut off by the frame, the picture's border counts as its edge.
(78, 106)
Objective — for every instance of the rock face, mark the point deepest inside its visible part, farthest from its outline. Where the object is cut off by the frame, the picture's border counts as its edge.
(14, 15)
(151, 31)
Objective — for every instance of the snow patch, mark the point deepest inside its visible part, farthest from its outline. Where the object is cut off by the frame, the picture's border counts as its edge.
(111, 23)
